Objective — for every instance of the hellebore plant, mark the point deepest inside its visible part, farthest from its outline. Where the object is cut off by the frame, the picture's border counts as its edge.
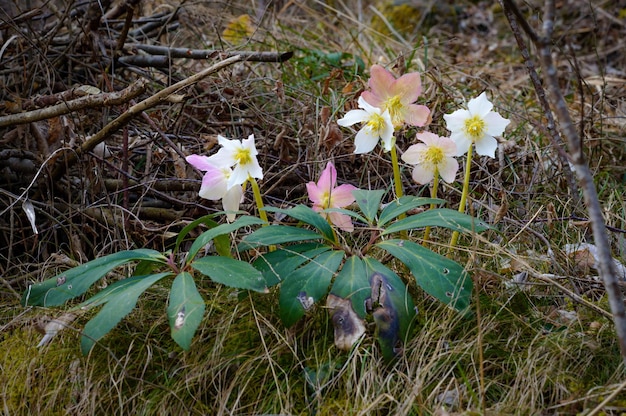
(477, 125)
(309, 261)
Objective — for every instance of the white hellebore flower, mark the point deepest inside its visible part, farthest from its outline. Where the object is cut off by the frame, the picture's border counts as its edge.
(377, 126)
(215, 184)
(241, 154)
(478, 125)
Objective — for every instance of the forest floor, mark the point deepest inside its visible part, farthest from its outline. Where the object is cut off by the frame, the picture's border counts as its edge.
(541, 339)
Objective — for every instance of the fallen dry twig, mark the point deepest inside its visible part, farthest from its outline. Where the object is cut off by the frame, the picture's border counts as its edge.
(138, 108)
(86, 101)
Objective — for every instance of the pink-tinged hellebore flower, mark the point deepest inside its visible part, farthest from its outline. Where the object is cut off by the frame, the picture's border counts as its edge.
(376, 126)
(325, 194)
(215, 184)
(435, 156)
(397, 96)
(241, 155)
(478, 125)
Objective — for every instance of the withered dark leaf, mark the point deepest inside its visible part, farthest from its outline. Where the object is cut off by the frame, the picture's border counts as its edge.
(349, 328)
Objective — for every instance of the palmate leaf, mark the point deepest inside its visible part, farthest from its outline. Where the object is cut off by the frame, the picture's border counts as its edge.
(368, 202)
(279, 264)
(120, 299)
(76, 281)
(231, 272)
(307, 215)
(402, 205)
(307, 285)
(277, 234)
(393, 308)
(185, 309)
(204, 238)
(437, 275)
(352, 283)
(439, 217)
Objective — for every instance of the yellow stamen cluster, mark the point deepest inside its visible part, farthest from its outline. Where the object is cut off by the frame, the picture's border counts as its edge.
(433, 156)
(376, 122)
(394, 106)
(243, 156)
(474, 127)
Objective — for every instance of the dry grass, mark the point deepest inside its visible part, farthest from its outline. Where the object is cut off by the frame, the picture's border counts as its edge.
(530, 349)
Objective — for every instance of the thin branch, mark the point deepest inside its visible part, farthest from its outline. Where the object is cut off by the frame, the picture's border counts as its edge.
(87, 101)
(606, 266)
(138, 108)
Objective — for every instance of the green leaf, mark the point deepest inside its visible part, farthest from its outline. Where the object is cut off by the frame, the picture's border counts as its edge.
(402, 205)
(185, 309)
(279, 264)
(307, 215)
(231, 272)
(440, 217)
(120, 299)
(393, 308)
(76, 281)
(204, 238)
(277, 234)
(352, 283)
(206, 220)
(368, 202)
(307, 285)
(437, 275)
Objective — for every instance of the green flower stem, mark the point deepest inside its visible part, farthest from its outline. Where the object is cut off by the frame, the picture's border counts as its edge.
(397, 180)
(468, 165)
(259, 201)
(433, 194)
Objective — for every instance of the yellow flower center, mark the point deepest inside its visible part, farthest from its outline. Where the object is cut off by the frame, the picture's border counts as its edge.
(474, 127)
(394, 106)
(243, 156)
(325, 202)
(376, 122)
(433, 156)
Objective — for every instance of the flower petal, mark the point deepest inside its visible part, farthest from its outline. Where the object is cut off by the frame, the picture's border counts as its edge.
(316, 194)
(328, 178)
(381, 81)
(496, 124)
(462, 142)
(341, 196)
(486, 146)
(480, 106)
(200, 162)
(448, 168)
(231, 202)
(422, 175)
(372, 99)
(387, 134)
(408, 87)
(353, 117)
(456, 120)
(343, 221)
(414, 154)
(365, 140)
(417, 115)
(213, 184)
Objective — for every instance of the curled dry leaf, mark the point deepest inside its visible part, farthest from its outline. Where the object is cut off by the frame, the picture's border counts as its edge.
(52, 327)
(349, 328)
(585, 255)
